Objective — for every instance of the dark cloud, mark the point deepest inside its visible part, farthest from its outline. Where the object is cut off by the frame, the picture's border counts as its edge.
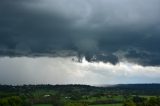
(91, 28)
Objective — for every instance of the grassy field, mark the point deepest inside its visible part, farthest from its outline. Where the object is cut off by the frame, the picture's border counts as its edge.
(108, 105)
(42, 105)
(39, 93)
(118, 98)
(90, 105)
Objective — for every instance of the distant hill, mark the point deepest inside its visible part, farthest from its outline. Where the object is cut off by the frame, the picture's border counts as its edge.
(134, 86)
(144, 89)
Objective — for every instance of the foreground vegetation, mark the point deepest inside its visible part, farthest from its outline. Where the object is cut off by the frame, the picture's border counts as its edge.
(80, 95)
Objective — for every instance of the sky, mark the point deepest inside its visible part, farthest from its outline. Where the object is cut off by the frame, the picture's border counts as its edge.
(79, 41)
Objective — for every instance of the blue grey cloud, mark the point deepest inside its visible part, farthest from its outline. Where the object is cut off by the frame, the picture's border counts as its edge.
(96, 29)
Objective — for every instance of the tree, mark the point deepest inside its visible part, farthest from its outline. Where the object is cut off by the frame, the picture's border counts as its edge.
(4, 102)
(153, 101)
(56, 100)
(15, 101)
(75, 104)
(140, 101)
(11, 101)
(129, 103)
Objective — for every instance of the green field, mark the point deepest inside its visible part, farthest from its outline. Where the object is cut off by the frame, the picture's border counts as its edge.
(42, 105)
(78, 95)
(108, 105)
(118, 98)
(90, 105)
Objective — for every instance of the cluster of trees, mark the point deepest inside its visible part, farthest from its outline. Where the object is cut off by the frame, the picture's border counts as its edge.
(11, 101)
(140, 101)
(55, 101)
(60, 103)
(131, 89)
(27, 95)
(76, 104)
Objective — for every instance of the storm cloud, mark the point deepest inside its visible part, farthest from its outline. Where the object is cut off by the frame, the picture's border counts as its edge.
(100, 30)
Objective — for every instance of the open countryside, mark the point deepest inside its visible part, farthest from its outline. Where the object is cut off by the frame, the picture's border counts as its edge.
(80, 95)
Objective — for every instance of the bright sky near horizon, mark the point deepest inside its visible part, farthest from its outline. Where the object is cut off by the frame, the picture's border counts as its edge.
(44, 70)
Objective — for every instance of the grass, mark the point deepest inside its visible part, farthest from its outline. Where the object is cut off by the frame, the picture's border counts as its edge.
(90, 105)
(42, 105)
(107, 105)
(39, 93)
(103, 98)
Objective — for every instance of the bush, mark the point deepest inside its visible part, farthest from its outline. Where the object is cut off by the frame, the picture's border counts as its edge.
(129, 103)
(75, 104)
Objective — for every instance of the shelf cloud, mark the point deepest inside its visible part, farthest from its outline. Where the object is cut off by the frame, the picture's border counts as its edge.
(99, 30)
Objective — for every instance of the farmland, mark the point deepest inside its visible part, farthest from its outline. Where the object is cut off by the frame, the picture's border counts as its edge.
(79, 95)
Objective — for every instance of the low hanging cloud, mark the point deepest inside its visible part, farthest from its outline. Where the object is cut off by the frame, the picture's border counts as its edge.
(44, 70)
(100, 30)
